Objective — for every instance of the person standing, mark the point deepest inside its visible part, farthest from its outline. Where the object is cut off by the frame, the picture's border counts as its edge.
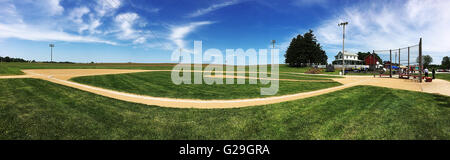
(433, 72)
(426, 72)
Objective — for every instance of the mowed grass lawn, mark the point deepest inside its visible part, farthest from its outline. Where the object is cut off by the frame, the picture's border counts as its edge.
(443, 76)
(159, 84)
(7, 70)
(14, 68)
(37, 109)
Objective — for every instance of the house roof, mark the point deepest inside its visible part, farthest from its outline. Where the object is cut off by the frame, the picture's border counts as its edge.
(348, 53)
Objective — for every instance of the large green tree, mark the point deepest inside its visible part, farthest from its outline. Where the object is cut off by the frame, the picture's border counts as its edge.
(445, 62)
(426, 60)
(304, 50)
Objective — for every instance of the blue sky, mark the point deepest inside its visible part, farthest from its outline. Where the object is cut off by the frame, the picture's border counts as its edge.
(147, 31)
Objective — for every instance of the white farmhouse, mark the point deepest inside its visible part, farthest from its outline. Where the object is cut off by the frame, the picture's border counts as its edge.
(349, 59)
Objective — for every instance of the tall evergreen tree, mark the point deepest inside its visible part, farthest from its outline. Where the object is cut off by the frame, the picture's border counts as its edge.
(305, 50)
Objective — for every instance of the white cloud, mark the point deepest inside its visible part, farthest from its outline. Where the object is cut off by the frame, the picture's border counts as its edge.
(125, 21)
(54, 7)
(140, 40)
(91, 27)
(211, 8)
(178, 33)
(105, 6)
(391, 25)
(34, 33)
(8, 13)
(88, 24)
(144, 8)
(76, 15)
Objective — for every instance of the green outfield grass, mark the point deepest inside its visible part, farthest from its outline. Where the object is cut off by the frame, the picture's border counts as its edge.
(159, 84)
(9, 70)
(37, 109)
(311, 75)
(443, 76)
(14, 68)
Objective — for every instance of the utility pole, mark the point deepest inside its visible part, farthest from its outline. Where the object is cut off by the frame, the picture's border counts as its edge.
(374, 60)
(390, 61)
(51, 51)
(399, 64)
(179, 57)
(343, 24)
(420, 61)
(273, 46)
(409, 67)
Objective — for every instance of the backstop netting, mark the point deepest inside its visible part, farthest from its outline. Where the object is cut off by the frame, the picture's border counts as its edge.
(382, 62)
(402, 62)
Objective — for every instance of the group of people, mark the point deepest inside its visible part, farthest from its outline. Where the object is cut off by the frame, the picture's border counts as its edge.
(426, 71)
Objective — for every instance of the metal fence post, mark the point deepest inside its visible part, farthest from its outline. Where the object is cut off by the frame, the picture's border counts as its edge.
(390, 65)
(420, 61)
(409, 67)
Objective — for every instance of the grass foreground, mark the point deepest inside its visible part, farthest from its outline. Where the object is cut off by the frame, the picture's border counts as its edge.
(159, 84)
(37, 109)
(443, 76)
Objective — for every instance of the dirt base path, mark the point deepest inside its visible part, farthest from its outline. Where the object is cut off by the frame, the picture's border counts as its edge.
(18, 76)
(61, 76)
(438, 86)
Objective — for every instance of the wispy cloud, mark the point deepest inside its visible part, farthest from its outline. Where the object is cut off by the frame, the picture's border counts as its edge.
(54, 7)
(9, 14)
(20, 29)
(107, 6)
(34, 33)
(76, 15)
(178, 33)
(144, 8)
(126, 23)
(212, 8)
(391, 25)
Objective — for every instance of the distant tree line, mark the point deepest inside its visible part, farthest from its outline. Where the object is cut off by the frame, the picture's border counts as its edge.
(9, 59)
(304, 50)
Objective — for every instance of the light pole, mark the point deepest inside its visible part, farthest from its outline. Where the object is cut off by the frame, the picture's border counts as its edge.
(343, 24)
(179, 58)
(51, 51)
(273, 46)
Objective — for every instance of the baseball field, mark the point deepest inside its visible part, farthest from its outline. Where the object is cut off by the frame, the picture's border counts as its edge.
(139, 101)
